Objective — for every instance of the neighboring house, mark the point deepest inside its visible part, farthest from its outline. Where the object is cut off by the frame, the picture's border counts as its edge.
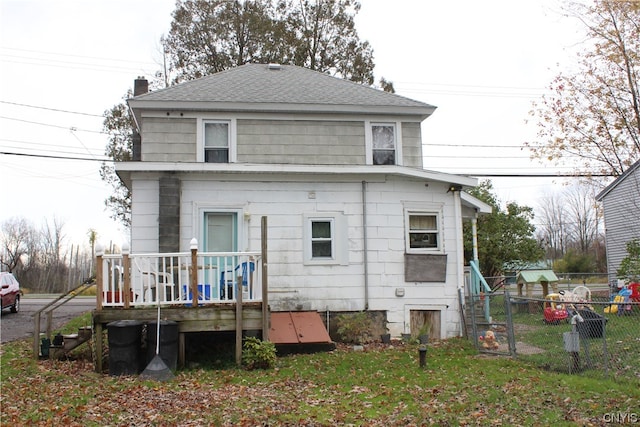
(354, 221)
(621, 205)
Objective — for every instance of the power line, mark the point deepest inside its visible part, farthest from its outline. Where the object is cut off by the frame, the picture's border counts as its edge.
(492, 175)
(43, 156)
(76, 56)
(71, 128)
(436, 144)
(51, 109)
(43, 146)
(537, 175)
(49, 150)
(85, 62)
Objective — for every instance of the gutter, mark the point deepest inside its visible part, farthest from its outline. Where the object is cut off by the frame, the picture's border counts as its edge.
(365, 258)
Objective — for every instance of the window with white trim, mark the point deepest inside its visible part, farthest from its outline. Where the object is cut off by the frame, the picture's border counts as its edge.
(324, 239)
(423, 232)
(383, 141)
(216, 141)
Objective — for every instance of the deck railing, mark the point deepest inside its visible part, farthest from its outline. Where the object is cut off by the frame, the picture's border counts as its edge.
(146, 280)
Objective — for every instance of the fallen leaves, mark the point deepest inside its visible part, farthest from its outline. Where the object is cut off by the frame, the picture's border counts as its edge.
(377, 387)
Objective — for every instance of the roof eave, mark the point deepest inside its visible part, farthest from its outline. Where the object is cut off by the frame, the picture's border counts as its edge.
(475, 203)
(125, 169)
(617, 181)
(137, 105)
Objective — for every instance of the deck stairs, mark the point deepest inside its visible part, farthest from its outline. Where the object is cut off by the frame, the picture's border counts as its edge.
(69, 342)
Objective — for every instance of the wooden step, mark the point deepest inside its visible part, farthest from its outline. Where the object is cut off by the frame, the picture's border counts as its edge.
(69, 342)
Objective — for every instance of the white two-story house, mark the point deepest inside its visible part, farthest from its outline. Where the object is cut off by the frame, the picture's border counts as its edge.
(354, 221)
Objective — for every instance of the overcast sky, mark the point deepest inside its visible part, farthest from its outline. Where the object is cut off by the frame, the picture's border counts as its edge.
(64, 62)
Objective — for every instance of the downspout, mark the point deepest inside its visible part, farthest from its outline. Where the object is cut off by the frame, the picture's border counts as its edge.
(365, 258)
(457, 207)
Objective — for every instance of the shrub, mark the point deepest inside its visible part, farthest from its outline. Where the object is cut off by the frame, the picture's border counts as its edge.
(354, 327)
(630, 265)
(258, 354)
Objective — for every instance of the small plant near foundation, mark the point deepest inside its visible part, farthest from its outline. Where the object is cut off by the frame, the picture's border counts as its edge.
(258, 354)
(354, 327)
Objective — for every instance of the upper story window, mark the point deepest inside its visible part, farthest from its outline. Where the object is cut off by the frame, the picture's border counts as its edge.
(423, 232)
(383, 138)
(216, 141)
(383, 143)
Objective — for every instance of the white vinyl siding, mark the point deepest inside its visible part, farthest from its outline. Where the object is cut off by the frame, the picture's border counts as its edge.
(168, 139)
(621, 219)
(303, 142)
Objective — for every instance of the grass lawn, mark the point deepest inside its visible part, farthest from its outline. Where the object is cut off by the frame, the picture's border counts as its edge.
(383, 385)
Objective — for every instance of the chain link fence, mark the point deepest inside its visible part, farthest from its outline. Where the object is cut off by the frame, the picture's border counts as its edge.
(590, 332)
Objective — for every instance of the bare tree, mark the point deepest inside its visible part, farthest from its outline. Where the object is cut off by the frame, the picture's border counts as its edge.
(583, 214)
(553, 231)
(16, 237)
(53, 256)
(592, 116)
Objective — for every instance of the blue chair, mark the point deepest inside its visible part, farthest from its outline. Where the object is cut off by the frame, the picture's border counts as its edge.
(227, 279)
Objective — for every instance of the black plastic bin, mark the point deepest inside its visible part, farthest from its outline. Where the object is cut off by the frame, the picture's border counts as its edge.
(125, 343)
(168, 342)
(593, 325)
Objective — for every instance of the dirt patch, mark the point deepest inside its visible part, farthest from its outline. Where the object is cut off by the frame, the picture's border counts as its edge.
(526, 349)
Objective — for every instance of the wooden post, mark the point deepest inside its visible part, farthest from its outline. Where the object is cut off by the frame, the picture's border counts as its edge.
(238, 292)
(49, 323)
(265, 283)
(194, 272)
(97, 330)
(97, 327)
(36, 334)
(127, 278)
(99, 261)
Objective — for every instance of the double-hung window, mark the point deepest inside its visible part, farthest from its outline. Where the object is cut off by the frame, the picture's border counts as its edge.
(322, 238)
(383, 143)
(216, 141)
(383, 139)
(325, 241)
(423, 232)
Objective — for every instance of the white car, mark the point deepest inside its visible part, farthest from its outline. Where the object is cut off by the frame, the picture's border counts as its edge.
(10, 292)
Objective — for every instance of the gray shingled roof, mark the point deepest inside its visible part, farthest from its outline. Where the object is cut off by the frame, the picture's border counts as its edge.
(288, 85)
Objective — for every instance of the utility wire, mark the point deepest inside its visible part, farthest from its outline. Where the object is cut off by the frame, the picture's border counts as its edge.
(51, 109)
(482, 175)
(76, 56)
(50, 125)
(43, 156)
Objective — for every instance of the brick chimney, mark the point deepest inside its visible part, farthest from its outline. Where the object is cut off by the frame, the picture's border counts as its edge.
(140, 86)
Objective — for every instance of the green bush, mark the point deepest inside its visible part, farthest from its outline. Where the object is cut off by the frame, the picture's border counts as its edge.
(354, 327)
(258, 354)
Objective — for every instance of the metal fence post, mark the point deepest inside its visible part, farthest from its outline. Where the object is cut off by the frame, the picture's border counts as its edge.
(511, 339)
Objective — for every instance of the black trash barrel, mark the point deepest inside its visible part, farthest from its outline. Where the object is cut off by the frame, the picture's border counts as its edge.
(168, 342)
(593, 325)
(125, 342)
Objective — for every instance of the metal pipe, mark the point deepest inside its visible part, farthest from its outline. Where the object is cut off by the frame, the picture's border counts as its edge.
(423, 355)
(365, 258)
